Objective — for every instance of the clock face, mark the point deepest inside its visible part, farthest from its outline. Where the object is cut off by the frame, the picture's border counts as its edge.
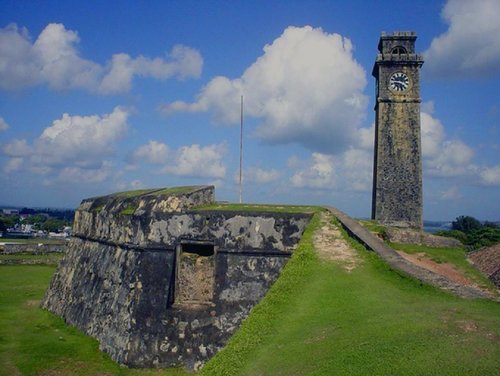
(399, 82)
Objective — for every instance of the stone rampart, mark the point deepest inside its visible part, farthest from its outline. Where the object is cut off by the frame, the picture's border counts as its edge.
(162, 285)
(487, 260)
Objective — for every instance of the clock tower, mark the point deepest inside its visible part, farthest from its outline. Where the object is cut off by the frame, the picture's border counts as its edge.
(397, 170)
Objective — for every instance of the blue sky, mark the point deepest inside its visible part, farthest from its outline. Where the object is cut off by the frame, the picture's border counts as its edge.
(105, 96)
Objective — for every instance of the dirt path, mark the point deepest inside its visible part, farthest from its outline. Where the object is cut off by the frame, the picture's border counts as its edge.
(447, 270)
(331, 246)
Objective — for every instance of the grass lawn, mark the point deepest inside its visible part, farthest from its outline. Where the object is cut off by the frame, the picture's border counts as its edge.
(260, 208)
(47, 259)
(318, 319)
(373, 226)
(34, 241)
(35, 342)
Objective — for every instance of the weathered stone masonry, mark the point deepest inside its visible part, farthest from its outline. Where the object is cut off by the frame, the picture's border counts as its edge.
(397, 175)
(161, 284)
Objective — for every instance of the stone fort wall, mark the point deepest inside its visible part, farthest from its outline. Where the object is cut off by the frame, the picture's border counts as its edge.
(161, 284)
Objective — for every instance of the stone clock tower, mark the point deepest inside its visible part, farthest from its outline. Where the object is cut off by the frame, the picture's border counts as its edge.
(397, 174)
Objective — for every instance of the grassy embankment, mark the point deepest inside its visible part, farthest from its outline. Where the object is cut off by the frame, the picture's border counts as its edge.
(33, 341)
(318, 319)
(258, 208)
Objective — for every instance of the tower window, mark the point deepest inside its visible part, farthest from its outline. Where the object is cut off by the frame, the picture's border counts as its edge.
(398, 50)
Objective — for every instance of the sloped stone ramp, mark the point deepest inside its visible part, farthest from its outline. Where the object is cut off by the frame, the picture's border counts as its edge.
(397, 262)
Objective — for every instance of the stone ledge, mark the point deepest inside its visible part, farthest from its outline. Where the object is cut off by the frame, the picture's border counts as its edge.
(410, 236)
(397, 262)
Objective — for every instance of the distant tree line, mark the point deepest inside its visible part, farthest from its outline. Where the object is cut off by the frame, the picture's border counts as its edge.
(49, 220)
(473, 233)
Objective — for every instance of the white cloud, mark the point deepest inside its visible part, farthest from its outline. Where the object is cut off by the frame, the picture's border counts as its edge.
(182, 62)
(349, 171)
(81, 139)
(3, 124)
(471, 45)
(490, 175)
(352, 170)
(198, 161)
(17, 148)
(442, 157)
(319, 173)
(432, 133)
(60, 64)
(19, 65)
(72, 147)
(451, 194)
(75, 174)
(262, 176)
(13, 164)
(306, 88)
(258, 175)
(190, 160)
(356, 168)
(126, 186)
(153, 152)
(54, 59)
(451, 158)
(366, 138)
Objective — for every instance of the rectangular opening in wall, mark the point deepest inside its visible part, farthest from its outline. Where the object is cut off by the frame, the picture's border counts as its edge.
(195, 273)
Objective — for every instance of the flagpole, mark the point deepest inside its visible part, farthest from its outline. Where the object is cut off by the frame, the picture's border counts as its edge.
(241, 150)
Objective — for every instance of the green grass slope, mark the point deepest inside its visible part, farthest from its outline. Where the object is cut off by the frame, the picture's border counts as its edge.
(318, 319)
(36, 342)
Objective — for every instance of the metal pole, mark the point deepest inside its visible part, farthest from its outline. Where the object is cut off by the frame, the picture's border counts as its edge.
(241, 150)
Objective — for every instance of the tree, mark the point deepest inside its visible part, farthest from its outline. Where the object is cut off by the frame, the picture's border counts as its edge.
(53, 225)
(466, 223)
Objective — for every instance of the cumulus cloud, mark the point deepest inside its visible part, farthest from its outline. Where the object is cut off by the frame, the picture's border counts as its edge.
(451, 158)
(191, 161)
(349, 171)
(182, 62)
(78, 174)
(490, 175)
(198, 161)
(53, 59)
(352, 169)
(356, 166)
(13, 164)
(153, 152)
(306, 88)
(3, 125)
(443, 157)
(72, 147)
(258, 175)
(432, 133)
(318, 173)
(263, 176)
(17, 148)
(471, 45)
